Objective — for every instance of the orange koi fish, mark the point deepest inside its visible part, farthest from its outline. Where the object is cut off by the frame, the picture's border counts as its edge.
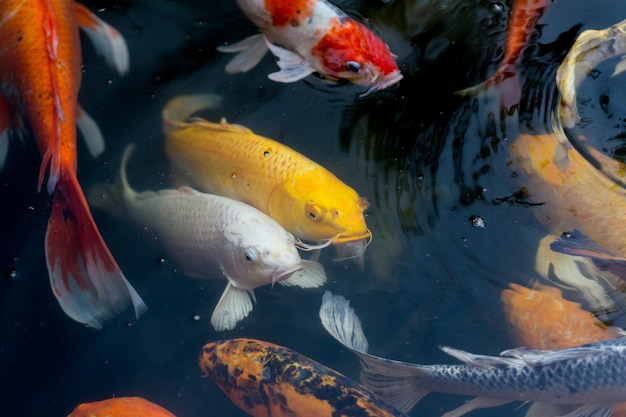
(578, 197)
(230, 160)
(39, 80)
(120, 407)
(313, 36)
(522, 24)
(543, 319)
(264, 379)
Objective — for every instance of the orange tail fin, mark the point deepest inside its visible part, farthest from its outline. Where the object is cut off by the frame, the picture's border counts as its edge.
(85, 278)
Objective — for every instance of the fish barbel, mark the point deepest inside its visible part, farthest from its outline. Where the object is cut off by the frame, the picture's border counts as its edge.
(211, 236)
(265, 380)
(313, 36)
(39, 81)
(590, 48)
(230, 160)
(591, 377)
(120, 407)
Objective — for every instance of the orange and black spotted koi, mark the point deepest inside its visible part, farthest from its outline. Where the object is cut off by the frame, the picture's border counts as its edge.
(264, 379)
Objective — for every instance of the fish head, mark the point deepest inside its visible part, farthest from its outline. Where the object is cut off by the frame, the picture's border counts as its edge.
(259, 251)
(317, 206)
(350, 51)
(237, 367)
(249, 371)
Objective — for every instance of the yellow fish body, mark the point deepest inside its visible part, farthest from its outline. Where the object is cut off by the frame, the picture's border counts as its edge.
(230, 160)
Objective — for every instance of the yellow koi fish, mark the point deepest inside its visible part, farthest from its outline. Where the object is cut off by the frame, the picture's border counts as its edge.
(230, 160)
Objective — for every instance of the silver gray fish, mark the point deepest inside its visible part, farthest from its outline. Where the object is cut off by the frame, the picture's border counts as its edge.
(591, 378)
(591, 48)
(208, 234)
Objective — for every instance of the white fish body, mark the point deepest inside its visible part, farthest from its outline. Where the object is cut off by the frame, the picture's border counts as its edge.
(589, 380)
(211, 236)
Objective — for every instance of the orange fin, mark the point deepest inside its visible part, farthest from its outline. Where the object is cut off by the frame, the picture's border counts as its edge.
(108, 41)
(85, 279)
(505, 84)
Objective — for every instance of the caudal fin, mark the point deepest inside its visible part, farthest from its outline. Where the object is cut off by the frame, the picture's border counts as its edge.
(178, 109)
(85, 279)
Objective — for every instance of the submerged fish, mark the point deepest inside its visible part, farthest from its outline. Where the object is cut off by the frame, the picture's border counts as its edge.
(591, 48)
(543, 319)
(230, 160)
(591, 377)
(208, 235)
(120, 407)
(575, 195)
(39, 82)
(264, 379)
(313, 36)
(522, 25)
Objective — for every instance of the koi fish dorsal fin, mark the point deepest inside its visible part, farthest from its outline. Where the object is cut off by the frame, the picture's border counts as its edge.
(108, 41)
(85, 279)
(179, 109)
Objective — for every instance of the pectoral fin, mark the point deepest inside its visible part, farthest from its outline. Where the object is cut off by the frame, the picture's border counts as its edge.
(91, 133)
(108, 41)
(312, 275)
(250, 52)
(475, 404)
(5, 127)
(292, 66)
(232, 307)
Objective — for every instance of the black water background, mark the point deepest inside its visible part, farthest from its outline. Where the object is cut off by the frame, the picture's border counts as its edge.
(428, 161)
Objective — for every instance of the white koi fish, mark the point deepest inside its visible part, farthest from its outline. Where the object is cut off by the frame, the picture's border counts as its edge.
(314, 36)
(205, 233)
(591, 378)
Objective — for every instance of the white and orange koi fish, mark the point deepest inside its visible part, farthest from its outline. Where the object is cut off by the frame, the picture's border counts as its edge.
(314, 36)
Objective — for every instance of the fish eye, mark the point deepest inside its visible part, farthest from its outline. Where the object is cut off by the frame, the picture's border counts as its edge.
(314, 212)
(353, 66)
(250, 255)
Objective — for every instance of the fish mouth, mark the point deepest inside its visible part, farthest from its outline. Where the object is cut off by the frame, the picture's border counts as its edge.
(367, 236)
(281, 275)
(383, 81)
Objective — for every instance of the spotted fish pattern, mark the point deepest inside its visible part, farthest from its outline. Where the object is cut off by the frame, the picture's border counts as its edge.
(264, 379)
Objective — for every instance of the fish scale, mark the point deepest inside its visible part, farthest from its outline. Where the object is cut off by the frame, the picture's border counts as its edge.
(230, 160)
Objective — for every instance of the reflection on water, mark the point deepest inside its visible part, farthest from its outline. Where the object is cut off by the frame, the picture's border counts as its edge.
(431, 164)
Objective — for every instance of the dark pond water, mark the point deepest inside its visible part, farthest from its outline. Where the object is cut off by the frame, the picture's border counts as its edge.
(428, 161)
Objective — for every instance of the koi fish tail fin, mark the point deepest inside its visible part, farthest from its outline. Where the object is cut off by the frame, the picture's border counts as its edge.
(505, 85)
(392, 380)
(108, 41)
(85, 279)
(178, 109)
